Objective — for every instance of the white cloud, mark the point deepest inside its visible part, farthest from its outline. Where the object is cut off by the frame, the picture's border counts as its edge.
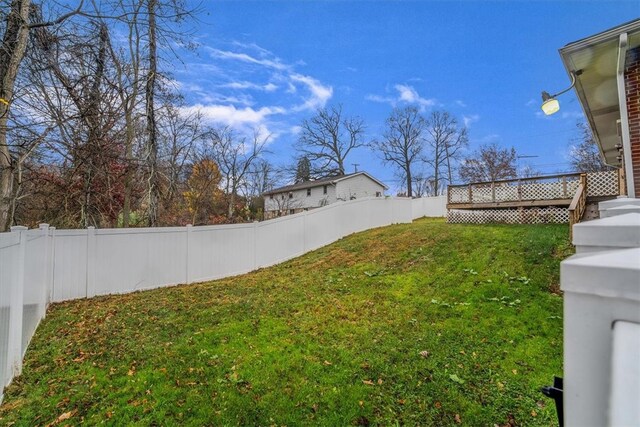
(406, 95)
(409, 95)
(255, 90)
(320, 93)
(460, 103)
(381, 99)
(232, 116)
(467, 120)
(269, 87)
(243, 57)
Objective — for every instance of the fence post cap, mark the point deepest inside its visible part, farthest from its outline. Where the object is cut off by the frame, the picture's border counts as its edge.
(43, 226)
(18, 228)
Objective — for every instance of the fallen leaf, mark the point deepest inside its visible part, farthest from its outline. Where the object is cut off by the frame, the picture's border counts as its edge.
(380, 381)
(401, 401)
(368, 382)
(65, 416)
(457, 418)
(515, 371)
(534, 414)
(424, 353)
(327, 363)
(438, 405)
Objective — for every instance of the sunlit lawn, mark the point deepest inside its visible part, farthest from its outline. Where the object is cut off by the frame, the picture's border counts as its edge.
(419, 324)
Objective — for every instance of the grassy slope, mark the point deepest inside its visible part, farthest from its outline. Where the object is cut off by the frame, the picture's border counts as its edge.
(330, 338)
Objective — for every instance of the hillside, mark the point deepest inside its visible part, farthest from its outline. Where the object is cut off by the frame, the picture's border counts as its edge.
(418, 324)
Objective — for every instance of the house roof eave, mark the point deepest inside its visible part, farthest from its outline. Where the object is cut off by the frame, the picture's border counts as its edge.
(596, 87)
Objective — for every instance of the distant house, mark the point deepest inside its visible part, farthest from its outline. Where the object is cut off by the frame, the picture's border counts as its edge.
(321, 192)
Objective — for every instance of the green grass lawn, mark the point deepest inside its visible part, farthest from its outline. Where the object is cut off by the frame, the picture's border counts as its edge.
(416, 324)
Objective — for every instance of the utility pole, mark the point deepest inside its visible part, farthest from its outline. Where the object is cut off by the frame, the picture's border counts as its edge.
(355, 167)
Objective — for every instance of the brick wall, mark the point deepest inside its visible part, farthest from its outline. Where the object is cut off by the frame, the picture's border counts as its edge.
(632, 88)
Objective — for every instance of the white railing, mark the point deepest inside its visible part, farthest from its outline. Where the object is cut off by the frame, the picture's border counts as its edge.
(601, 285)
(49, 265)
(550, 187)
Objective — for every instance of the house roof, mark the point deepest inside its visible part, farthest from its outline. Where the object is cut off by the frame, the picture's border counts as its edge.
(597, 86)
(332, 180)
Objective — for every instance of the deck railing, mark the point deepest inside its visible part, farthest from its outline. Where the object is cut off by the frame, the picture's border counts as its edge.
(578, 204)
(544, 188)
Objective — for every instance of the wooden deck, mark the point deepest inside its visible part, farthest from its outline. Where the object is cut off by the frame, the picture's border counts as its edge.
(542, 191)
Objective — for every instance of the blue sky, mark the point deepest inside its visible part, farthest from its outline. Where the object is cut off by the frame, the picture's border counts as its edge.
(270, 64)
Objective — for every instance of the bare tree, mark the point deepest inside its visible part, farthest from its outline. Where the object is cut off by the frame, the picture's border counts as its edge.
(16, 25)
(489, 163)
(402, 144)
(446, 139)
(235, 156)
(327, 139)
(69, 76)
(584, 153)
(127, 63)
(528, 171)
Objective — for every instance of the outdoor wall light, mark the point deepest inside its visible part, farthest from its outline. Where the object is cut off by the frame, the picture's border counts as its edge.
(550, 104)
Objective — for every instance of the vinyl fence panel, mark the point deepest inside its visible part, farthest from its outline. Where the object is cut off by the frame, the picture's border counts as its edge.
(9, 251)
(47, 265)
(70, 261)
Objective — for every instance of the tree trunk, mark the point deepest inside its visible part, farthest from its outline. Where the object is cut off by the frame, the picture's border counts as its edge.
(128, 177)
(409, 184)
(12, 51)
(152, 142)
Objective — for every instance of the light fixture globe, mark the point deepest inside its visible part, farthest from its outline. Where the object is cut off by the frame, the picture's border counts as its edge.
(550, 106)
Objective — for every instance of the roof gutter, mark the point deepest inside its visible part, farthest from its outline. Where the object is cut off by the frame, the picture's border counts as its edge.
(623, 45)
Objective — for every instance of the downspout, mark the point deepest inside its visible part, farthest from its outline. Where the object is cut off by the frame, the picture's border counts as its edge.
(624, 115)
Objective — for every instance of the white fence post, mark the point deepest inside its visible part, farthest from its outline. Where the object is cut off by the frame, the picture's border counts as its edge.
(91, 262)
(188, 252)
(51, 268)
(14, 356)
(255, 245)
(44, 229)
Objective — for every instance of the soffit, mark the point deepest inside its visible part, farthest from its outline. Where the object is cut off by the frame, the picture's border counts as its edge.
(596, 87)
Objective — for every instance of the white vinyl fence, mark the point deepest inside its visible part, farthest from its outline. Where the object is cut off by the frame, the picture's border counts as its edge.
(49, 265)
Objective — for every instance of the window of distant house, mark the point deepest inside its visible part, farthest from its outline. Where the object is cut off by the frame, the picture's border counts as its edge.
(292, 211)
(283, 197)
(308, 192)
(291, 195)
(271, 196)
(378, 194)
(324, 190)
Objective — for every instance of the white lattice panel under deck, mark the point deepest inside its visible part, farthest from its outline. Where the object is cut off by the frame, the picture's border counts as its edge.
(509, 216)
